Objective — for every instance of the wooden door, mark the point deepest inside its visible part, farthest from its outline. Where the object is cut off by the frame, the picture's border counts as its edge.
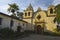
(39, 29)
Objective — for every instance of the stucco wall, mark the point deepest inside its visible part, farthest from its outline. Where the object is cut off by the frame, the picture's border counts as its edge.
(49, 21)
(29, 25)
(50, 25)
(6, 23)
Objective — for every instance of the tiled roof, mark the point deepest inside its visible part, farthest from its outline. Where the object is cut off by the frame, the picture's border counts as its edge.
(14, 17)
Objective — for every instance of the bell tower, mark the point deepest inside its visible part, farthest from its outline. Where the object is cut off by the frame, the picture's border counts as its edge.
(28, 12)
(27, 15)
(51, 10)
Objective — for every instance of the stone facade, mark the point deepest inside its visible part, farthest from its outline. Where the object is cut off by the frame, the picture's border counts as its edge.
(43, 18)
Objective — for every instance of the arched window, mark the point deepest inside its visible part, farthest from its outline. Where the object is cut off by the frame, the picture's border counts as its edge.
(28, 13)
(38, 17)
(51, 11)
(25, 14)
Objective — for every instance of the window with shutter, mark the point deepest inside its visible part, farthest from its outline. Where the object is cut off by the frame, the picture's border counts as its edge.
(11, 23)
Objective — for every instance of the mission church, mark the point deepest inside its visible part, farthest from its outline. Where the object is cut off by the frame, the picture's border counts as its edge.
(40, 20)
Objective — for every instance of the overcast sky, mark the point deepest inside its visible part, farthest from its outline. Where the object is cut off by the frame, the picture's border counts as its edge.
(43, 4)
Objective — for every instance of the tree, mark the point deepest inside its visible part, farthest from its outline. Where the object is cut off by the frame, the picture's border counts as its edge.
(57, 8)
(13, 8)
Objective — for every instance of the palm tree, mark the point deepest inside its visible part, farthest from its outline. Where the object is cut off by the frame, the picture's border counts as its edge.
(13, 8)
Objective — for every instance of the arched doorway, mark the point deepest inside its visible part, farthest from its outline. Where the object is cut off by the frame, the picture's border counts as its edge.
(39, 29)
(18, 28)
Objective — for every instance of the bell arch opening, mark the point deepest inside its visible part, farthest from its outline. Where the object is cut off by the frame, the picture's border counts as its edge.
(51, 11)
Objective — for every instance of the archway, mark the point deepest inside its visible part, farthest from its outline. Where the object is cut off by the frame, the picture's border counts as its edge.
(39, 29)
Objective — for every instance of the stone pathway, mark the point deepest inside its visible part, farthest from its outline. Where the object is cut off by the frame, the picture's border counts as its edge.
(39, 37)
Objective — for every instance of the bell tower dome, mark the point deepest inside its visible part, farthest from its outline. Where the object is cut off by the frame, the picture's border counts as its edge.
(28, 12)
(27, 15)
(39, 9)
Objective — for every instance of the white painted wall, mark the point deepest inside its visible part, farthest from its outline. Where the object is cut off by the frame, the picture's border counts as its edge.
(6, 23)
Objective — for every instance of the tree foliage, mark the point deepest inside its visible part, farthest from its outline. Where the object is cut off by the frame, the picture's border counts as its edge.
(13, 8)
(58, 12)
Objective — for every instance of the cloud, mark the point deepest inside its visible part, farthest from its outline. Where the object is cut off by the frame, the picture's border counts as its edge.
(55, 2)
(6, 1)
(43, 4)
(3, 8)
